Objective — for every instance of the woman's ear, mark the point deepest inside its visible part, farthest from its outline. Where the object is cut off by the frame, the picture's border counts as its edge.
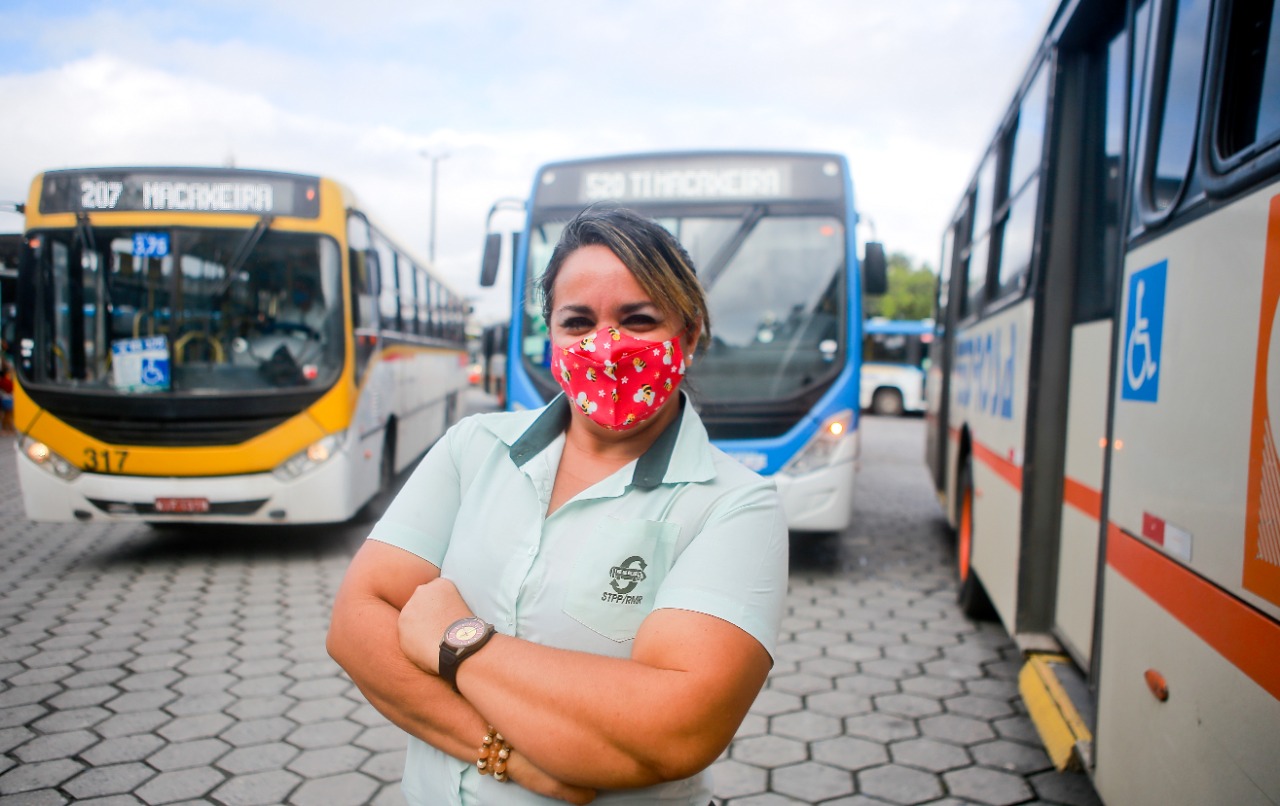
(692, 334)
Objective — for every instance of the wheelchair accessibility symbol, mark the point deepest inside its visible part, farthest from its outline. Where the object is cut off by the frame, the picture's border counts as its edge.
(1144, 333)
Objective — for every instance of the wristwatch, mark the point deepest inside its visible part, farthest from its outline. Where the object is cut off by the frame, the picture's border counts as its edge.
(462, 640)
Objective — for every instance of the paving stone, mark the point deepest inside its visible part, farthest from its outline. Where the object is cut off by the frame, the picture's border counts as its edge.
(122, 749)
(349, 789)
(1069, 790)
(21, 715)
(181, 755)
(1018, 728)
(150, 681)
(257, 789)
(957, 729)
(768, 751)
(328, 761)
(135, 701)
(982, 785)
(320, 710)
(805, 725)
(114, 779)
(850, 753)
(258, 758)
(40, 775)
(257, 707)
(929, 754)
(772, 703)
(890, 668)
(131, 723)
(55, 745)
(180, 785)
(1011, 756)
(186, 728)
(812, 782)
(907, 705)
(898, 784)
(767, 799)
(800, 683)
(388, 766)
(854, 652)
(734, 779)
(323, 734)
(880, 727)
(382, 737)
(839, 703)
(38, 797)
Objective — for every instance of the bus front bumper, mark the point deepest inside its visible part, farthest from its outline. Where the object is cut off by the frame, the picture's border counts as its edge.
(821, 501)
(323, 495)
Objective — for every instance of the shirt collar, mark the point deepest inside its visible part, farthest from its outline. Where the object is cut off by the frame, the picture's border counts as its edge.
(680, 454)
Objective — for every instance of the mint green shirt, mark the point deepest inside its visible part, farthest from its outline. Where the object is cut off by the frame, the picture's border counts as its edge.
(683, 527)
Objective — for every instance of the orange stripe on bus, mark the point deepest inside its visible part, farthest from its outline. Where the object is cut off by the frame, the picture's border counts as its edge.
(1082, 497)
(1249, 640)
(1004, 468)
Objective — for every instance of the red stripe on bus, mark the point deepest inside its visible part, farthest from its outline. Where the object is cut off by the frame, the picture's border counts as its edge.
(1249, 640)
(1004, 468)
(1082, 497)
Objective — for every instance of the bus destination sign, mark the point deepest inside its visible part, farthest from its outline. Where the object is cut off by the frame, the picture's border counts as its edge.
(180, 191)
(692, 179)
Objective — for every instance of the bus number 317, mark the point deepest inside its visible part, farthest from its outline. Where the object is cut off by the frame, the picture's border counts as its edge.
(104, 461)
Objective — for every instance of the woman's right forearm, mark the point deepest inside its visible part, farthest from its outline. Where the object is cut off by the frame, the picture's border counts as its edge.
(363, 640)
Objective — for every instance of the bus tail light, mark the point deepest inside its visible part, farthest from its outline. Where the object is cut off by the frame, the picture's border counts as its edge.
(315, 454)
(823, 449)
(42, 456)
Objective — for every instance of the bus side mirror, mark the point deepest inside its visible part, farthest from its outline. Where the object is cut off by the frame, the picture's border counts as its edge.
(875, 275)
(489, 263)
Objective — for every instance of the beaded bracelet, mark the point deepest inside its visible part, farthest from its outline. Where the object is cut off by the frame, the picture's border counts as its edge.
(494, 752)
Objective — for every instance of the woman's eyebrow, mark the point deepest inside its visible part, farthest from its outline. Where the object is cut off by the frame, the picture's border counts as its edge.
(626, 308)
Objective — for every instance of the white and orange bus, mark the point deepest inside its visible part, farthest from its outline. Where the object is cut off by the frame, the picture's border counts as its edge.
(223, 345)
(1100, 424)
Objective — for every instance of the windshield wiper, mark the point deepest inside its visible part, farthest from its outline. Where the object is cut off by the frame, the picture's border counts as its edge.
(243, 250)
(85, 231)
(716, 266)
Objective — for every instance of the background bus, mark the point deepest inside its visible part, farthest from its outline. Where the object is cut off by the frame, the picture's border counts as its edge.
(221, 345)
(773, 238)
(894, 353)
(1100, 423)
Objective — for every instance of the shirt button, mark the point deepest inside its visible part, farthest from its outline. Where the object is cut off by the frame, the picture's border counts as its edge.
(533, 550)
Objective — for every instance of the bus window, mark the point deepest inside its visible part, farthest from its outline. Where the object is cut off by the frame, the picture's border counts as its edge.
(1017, 222)
(408, 307)
(361, 279)
(1250, 117)
(388, 303)
(1181, 96)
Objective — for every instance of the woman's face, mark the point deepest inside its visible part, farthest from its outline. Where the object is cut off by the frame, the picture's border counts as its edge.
(595, 289)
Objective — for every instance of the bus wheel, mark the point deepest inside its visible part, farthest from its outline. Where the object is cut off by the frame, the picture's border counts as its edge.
(887, 402)
(971, 596)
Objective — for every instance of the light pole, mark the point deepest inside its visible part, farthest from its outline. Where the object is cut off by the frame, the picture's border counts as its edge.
(434, 160)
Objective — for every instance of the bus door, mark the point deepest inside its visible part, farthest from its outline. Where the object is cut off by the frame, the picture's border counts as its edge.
(1091, 136)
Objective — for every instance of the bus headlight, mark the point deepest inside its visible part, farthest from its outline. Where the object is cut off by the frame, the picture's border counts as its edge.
(315, 454)
(43, 457)
(825, 447)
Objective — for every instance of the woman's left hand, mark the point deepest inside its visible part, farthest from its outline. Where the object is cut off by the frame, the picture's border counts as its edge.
(425, 617)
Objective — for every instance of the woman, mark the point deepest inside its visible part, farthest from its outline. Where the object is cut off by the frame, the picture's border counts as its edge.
(627, 576)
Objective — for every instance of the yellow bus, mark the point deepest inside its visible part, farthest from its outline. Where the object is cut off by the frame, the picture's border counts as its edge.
(221, 345)
(1100, 425)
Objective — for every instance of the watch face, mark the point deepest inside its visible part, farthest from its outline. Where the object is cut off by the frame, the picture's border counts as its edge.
(465, 632)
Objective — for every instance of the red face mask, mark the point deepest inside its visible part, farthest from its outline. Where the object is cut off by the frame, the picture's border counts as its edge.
(619, 380)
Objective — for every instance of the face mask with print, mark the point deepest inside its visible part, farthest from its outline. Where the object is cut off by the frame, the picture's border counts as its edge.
(619, 380)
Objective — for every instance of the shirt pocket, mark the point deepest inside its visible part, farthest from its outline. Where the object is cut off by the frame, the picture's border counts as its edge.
(617, 573)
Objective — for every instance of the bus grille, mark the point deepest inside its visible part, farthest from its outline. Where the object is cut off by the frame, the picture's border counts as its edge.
(177, 433)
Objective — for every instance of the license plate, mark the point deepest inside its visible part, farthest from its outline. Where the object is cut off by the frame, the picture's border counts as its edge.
(182, 505)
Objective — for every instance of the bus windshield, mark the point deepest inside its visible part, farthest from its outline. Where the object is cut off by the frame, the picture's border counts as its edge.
(775, 287)
(195, 311)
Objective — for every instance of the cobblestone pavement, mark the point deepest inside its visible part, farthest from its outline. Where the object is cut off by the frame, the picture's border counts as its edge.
(155, 666)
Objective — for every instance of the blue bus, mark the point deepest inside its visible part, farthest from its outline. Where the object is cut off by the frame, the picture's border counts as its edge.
(894, 354)
(773, 237)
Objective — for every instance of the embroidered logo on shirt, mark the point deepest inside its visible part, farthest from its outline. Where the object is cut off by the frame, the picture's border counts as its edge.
(625, 577)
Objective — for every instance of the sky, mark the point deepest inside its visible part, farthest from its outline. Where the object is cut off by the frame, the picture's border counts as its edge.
(377, 93)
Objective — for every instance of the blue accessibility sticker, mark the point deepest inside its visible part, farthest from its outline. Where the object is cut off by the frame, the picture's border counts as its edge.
(1144, 333)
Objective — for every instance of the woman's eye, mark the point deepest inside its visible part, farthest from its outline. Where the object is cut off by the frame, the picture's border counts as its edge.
(576, 323)
(639, 320)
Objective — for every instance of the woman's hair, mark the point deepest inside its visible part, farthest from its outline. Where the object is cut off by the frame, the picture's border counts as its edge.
(654, 257)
